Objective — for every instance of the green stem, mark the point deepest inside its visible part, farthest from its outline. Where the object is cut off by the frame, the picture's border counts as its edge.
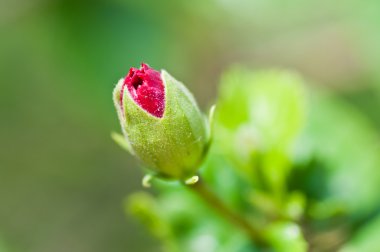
(210, 198)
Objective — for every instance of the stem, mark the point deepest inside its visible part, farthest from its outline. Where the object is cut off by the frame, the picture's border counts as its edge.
(210, 198)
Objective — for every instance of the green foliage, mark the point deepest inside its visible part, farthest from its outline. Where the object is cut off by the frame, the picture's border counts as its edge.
(260, 115)
(289, 164)
(348, 146)
(62, 178)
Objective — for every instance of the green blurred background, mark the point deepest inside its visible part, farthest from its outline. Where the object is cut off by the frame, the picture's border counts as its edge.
(62, 179)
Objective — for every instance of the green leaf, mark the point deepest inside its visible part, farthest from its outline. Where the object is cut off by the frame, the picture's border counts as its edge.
(285, 237)
(196, 226)
(277, 108)
(259, 116)
(365, 240)
(273, 103)
(348, 146)
(295, 205)
(145, 208)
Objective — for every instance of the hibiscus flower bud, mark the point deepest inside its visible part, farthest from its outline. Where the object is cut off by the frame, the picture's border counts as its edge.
(161, 122)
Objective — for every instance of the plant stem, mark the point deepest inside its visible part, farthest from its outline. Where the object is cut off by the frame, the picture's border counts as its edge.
(210, 198)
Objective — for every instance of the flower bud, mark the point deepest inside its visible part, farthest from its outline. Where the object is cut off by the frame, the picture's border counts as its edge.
(161, 122)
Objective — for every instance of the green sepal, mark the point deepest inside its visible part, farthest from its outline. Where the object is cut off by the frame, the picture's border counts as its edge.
(211, 116)
(122, 142)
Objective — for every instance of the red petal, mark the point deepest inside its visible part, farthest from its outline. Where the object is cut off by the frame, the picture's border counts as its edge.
(146, 88)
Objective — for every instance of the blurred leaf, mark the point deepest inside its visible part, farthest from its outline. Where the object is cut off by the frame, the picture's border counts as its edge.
(365, 240)
(277, 108)
(326, 209)
(308, 176)
(285, 237)
(183, 210)
(295, 205)
(272, 102)
(220, 175)
(145, 208)
(216, 238)
(260, 113)
(195, 225)
(264, 203)
(233, 103)
(349, 147)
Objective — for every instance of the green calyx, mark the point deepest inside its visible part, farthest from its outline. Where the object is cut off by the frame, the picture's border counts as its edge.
(172, 146)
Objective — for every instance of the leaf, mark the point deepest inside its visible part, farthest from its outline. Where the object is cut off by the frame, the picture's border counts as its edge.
(145, 208)
(365, 240)
(285, 237)
(273, 103)
(197, 226)
(259, 116)
(348, 146)
(277, 108)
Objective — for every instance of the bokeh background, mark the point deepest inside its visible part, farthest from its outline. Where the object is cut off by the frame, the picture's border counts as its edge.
(62, 179)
